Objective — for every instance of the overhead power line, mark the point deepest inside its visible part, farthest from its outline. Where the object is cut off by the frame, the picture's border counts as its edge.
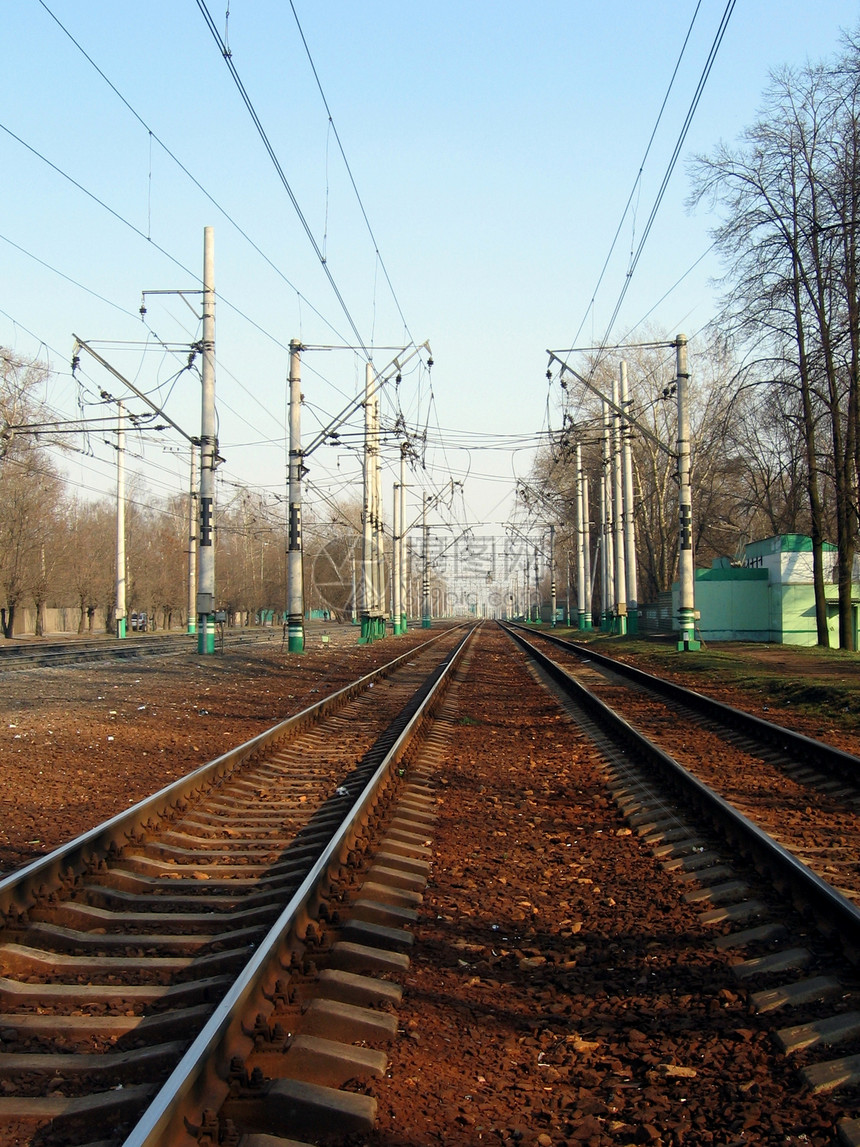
(688, 119)
(246, 99)
(349, 172)
(153, 136)
(641, 169)
(137, 231)
(691, 111)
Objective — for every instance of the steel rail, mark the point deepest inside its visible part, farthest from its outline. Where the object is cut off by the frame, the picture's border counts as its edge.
(20, 889)
(837, 761)
(203, 1071)
(831, 908)
(26, 656)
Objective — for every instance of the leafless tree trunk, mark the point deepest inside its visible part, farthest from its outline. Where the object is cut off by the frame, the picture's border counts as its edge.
(789, 195)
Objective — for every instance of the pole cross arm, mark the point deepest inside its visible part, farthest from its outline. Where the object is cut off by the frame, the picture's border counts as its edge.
(433, 500)
(79, 343)
(359, 401)
(182, 294)
(530, 541)
(618, 409)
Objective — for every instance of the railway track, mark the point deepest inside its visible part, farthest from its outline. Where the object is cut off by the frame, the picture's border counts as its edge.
(79, 651)
(749, 848)
(26, 655)
(588, 1019)
(139, 963)
(802, 792)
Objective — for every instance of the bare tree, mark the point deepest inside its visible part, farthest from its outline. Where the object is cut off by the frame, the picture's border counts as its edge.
(30, 488)
(88, 569)
(790, 196)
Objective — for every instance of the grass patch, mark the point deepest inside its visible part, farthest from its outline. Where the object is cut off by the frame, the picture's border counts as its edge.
(812, 681)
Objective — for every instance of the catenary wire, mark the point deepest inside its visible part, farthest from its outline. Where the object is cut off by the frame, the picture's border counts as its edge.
(121, 218)
(642, 162)
(703, 79)
(349, 171)
(246, 99)
(154, 136)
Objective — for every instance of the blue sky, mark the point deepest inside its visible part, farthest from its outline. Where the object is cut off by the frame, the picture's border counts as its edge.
(494, 147)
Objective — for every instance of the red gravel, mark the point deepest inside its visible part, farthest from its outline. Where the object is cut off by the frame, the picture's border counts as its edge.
(560, 991)
(78, 745)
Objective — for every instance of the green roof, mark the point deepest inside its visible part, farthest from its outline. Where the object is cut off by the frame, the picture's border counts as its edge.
(785, 544)
(732, 573)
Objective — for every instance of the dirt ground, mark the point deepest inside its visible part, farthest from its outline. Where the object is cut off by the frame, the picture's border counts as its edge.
(815, 692)
(560, 993)
(77, 745)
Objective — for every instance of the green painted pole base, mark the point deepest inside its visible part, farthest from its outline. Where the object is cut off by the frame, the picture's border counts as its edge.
(687, 630)
(425, 622)
(206, 634)
(366, 635)
(633, 621)
(295, 633)
(192, 626)
(120, 627)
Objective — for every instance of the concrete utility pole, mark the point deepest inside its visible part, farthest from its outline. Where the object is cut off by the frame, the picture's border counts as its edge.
(425, 580)
(410, 579)
(373, 552)
(629, 517)
(537, 586)
(398, 575)
(208, 457)
(354, 610)
(120, 611)
(295, 588)
(620, 625)
(567, 603)
(687, 576)
(607, 557)
(552, 587)
(403, 619)
(396, 604)
(371, 596)
(686, 570)
(368, 604)
(192, 543)
(601, 542)
(589, 581)
(379, 526)
(581, 576)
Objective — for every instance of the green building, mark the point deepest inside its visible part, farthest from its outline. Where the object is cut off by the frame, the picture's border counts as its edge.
(769, 595)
